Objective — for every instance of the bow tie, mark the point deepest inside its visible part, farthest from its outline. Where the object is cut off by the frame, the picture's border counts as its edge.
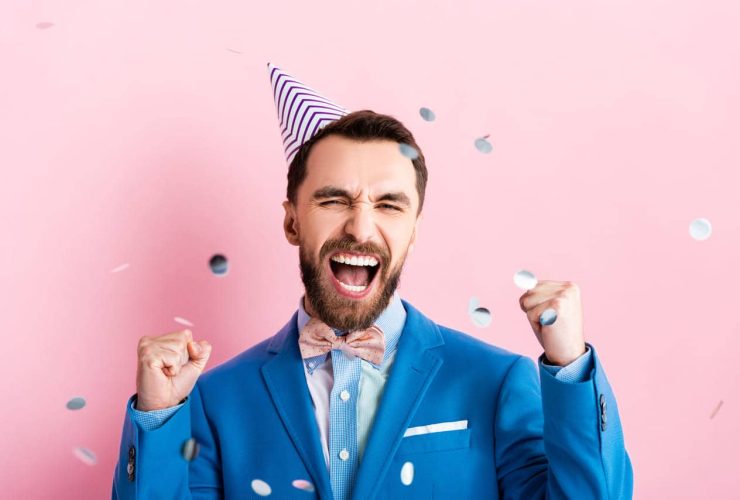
(318, 338)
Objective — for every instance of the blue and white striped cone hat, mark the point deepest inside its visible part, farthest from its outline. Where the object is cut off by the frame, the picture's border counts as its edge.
(301, 110)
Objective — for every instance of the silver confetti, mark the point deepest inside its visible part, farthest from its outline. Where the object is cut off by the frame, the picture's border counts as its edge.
(190, 449)
(482, 145)
(261, 488)
(473, 304)
(427, 114)
(700, 229)
(481, 316)
(548, 317)
(525, 279)
(304, 485)
(218, 264)
(86, 456)
(76, 403)
(408, 151)
(407, 473)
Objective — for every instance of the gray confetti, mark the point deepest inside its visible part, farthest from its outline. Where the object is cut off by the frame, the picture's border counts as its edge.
(482, 145)
(218, 264)
(548, 317)
(700, 229)
(261, 488)
(190, 449)
(76, 403)
(86, 456)
(408, 151)
(427, 114)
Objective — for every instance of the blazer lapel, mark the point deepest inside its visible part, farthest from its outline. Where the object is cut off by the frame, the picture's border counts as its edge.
(286, 382)
(412, 372)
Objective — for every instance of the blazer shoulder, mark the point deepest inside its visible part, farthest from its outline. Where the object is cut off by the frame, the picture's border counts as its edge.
(466, 346)
(249, 360)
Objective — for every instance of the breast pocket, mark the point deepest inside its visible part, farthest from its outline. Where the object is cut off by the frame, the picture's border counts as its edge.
(435, 441)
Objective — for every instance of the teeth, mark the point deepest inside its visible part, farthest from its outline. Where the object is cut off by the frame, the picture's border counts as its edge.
(353, 288)
(355, 260)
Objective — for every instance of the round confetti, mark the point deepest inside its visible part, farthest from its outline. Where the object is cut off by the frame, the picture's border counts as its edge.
(427, 114)
(700, 229)
(304, 485)
(525, 280)
(261, 488)
(472, 304)
(481, 316)
(190, 449)
(86, 456)
(407, 473)
(482, 145)
(76, 403)
(408, 151)
(219, 265)
(44, 25)
(548, 317)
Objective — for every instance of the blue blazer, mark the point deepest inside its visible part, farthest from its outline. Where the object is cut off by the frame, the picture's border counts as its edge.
(527, 436)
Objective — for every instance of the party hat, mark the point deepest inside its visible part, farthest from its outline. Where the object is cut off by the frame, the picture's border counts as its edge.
(301, 110)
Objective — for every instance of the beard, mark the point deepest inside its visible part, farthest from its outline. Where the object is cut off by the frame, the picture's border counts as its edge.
(336, 310)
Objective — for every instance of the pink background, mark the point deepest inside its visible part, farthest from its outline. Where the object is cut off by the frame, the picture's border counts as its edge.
(145, 133)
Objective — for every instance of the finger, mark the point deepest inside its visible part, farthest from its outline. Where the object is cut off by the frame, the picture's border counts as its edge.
(536, 296)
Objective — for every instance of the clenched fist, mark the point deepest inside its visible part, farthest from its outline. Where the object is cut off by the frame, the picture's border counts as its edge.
(169, 366)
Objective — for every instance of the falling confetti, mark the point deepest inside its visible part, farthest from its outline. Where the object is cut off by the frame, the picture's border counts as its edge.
(261, 488)
(120, 268)
(190, 449)
(700, 229)
(183, 321)
(408, 151)
(548, 317)
(76, 403)
(407, 473)
(304, 485)
(234, 51)
(483, 145)
(86, 456)
(472, 304)
(525, 280)
(44, 25)
(427, 114)
(716, 409)
(218, 264)
(481, 316)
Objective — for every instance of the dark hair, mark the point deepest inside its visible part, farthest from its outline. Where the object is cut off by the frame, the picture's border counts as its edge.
(363, 125)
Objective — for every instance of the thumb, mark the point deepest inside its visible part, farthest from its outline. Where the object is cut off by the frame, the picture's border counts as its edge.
(199, 352)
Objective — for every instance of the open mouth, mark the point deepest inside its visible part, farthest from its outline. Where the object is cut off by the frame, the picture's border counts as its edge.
(354, 278)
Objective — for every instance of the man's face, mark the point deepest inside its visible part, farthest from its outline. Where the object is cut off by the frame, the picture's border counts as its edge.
(362, 222)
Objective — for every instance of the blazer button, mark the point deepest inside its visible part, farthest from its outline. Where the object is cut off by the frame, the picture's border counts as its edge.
(131, 452)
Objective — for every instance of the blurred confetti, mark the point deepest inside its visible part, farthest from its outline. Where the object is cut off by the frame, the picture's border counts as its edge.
(183, 321)
(407, 473)
(218, 264)
(472, 304)
(700, 229)
(120, 268)
(481, 316)
(85, 455)
(44, 25)
(261, 488)
(190, 449)
(482, 145)
(76, 403)
(234, 51)
(408, 151)
(304, 485)
(716, 409)
(548, 317)
(427, 114)
(525, 279)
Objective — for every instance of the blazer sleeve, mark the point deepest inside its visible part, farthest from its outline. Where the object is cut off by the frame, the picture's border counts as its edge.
(151, 463)
(556, 439)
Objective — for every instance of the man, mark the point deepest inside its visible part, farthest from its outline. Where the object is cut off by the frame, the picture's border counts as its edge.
(361, 395)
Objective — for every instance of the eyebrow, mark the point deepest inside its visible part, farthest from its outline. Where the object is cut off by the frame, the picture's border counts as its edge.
(333, 191)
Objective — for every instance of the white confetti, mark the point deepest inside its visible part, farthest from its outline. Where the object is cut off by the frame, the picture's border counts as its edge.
(407, 473)
(481, 316)
(261, 488)
(183, 321)
(304, 485)
(525, 280)
(85, 455)
(120, 268)
(700, 229)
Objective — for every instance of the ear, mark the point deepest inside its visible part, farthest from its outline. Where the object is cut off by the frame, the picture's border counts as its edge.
(413, 236)
(290, 224)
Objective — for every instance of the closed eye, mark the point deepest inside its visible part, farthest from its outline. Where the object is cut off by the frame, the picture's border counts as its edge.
(337, 201)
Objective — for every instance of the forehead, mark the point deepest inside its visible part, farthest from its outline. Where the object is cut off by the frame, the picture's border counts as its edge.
(376, 166)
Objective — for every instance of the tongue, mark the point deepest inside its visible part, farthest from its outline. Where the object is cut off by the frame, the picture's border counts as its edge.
(352, 275)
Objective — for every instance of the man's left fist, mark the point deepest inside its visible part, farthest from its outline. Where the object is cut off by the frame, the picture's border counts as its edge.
(562, 340)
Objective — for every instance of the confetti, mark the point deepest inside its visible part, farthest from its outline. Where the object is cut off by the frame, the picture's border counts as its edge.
(218, 264)
(525, 280)
(482, 145)
(700, 229)
(481, 316)
(472, 304)
(76, 403)
(120, 268)
(427, 114)
(261, 488)
(716, 409)
(183, 321)
(234, 51)
(304, 485)
(548, 317)
(408, 151)
(407, 473)
(44, 25)
(86, 456)
(190, 449)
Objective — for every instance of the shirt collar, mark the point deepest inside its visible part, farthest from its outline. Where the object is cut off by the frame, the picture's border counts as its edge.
(391, 321)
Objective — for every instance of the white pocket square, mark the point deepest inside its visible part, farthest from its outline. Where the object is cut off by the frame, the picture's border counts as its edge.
(440, 427)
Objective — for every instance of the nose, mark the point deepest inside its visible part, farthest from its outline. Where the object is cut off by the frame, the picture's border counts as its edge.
(361, 222)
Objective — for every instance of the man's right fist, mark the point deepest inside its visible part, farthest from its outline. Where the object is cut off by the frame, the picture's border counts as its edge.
(169, 366)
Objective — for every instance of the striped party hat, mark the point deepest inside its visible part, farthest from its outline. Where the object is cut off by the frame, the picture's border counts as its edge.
(301, 110)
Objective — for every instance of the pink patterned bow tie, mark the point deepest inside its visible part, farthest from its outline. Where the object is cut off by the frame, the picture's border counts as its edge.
(318, 338)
